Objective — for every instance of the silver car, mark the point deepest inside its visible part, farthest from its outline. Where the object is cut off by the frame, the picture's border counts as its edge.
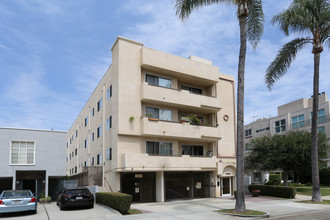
(17, 201)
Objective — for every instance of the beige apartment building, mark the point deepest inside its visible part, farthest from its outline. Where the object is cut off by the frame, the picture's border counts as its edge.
(158, 127)
(296, 115)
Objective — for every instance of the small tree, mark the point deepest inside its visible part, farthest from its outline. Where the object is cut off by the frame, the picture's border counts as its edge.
(290, 152)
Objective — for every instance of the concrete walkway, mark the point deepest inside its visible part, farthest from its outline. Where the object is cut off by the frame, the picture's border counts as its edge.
(205, 208)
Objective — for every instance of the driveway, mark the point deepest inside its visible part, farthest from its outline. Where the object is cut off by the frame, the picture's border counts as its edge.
(52, 212)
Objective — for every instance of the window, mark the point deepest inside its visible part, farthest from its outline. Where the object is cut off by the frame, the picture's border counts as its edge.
(192, 150)
(76, 133)
(99, 105)
(109, 154)
(192, 89)
(280, 126)
(86, 163)
(92, 112)
(86, 143)
(92, 161)
(158, 81)
(92, 137)
(75, 169)
(99, 159)
(262, 129)
(109, 122)
(86, 121)
(298, 121)
(109, 92)
(321, 129)
(22, 153)
(158, 148)
(70, 156)
(161, 114)
(75, 151)
(99, 131)
(248, 133)
(321, 116)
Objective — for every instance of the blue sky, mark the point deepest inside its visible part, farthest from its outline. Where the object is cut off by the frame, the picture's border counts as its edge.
(53, 53)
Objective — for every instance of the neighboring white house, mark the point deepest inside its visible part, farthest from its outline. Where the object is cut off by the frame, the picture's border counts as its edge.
(32, 159)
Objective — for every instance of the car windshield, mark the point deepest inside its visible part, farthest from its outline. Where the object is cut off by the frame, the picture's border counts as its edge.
(16, 194)
(77, 191)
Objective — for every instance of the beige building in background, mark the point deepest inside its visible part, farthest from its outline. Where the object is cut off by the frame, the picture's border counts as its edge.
(157, 126)
(296, 115)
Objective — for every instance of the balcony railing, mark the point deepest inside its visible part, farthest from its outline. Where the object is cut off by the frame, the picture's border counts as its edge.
(179, 98)
(149, 163)
(157, 128)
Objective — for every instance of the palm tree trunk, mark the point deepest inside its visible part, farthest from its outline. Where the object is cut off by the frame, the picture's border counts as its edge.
(316, 197)
(285, 177)
(240, 200)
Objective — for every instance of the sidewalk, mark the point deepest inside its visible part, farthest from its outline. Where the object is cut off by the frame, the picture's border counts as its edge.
(205, 208)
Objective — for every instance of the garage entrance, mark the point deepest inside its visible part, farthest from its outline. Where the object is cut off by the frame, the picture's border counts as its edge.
(187, 185)
(32, 180)
(6, 183)
(142, 186)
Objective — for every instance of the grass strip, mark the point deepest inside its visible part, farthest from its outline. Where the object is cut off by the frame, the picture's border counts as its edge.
(248, 212)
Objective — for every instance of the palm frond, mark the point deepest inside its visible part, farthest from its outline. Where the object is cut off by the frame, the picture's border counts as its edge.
(185, 7)
(255, 22)
(283, 60)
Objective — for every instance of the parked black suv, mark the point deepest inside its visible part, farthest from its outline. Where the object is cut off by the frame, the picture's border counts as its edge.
(75, 197)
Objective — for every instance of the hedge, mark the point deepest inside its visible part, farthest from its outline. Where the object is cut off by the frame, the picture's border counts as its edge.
(276, 191)
(118, 201)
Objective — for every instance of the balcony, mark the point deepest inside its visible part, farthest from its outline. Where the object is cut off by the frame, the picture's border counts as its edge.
(145, 162)
(179, 98)
(179, 131)
(184, 69)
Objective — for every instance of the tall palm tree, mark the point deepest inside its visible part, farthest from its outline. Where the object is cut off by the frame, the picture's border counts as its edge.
(251, 17)
(312, 19)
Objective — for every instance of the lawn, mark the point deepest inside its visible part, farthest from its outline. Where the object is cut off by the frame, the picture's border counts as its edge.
(324, 202)
(307, 190)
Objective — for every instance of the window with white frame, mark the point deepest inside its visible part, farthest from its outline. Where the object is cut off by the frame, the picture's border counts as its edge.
(86, 121)
(158, 148)
(99, 159)
(86, 143)
(92, 161)
(99, 131)
(280, 126)
(248, 133)
(109, 154)
(161, 114)
(158, 81)
(321, 116)
(109, 122)
(99, 105)
(109, 92)
(92, 137)
(22, 153)
(298, 122)
(321, 129)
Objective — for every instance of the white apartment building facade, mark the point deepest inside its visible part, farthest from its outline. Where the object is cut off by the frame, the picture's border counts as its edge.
(296, 115)
(161, 127)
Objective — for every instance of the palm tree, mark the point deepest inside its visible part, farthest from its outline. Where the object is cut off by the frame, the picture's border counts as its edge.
(251, 17)
(310, 18)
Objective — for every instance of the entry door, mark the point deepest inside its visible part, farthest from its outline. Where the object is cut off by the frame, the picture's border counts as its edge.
(226, 186)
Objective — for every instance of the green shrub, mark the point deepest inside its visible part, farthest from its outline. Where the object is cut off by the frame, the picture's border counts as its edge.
(45, 200)
(274, 179)
(118, 201)
(276, 191)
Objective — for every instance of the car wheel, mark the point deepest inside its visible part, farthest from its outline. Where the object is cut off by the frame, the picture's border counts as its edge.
(61, 206)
